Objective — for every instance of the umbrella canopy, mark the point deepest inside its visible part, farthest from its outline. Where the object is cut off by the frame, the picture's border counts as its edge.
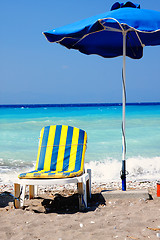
(124, 30)
(102, 34)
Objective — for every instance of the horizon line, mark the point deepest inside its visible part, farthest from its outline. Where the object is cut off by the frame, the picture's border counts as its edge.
(36, 105)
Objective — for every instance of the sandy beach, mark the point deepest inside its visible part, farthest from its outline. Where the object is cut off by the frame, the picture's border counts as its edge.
(80, 91)
(55, 215)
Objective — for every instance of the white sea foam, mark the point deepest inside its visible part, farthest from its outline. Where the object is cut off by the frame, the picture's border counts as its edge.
(10, 176)
(139, 168)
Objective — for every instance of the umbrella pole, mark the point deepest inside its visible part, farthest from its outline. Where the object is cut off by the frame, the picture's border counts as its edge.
(123, 173)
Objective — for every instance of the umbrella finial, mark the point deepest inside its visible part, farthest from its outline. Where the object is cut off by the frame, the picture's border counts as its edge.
(118, 5)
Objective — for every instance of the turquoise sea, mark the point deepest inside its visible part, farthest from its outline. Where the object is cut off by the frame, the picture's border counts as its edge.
(20, 126)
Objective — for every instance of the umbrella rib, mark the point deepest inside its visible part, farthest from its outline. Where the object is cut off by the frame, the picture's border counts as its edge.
(129, 43)
(130, 28)
(112, 29)
(143, 45)
(109, 18)
(86, 36)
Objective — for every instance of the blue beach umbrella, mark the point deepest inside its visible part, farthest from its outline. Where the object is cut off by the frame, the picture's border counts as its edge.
(123, 31)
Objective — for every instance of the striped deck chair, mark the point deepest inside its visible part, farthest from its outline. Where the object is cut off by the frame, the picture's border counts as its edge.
(60, 160)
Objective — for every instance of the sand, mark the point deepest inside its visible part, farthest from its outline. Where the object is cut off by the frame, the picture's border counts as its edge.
(54, 215)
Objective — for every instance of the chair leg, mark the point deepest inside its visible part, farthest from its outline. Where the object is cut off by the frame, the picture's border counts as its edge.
(31, 192)
(36, 190)
(85, 193)
(89, 184)
(80, 188)
(22, 197)
(87, 187)
(82, 191)
(16, 194)
(82, 201)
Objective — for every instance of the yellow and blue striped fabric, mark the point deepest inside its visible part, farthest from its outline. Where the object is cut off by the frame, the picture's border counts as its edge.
(61, 153)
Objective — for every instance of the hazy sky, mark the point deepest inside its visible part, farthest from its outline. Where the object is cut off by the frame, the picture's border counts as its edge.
(32, 70)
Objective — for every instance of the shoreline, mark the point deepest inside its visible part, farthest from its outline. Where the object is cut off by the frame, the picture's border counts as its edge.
(112, 185)
(150, 186)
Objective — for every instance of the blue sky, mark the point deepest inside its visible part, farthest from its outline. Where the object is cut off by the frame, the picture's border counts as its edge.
(36, 71)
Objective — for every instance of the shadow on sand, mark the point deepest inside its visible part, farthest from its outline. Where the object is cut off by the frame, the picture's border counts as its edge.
(5, 199)
(57, 204)
(70, 204)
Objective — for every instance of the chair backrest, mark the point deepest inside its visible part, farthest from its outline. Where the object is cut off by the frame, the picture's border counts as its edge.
(61, 148)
